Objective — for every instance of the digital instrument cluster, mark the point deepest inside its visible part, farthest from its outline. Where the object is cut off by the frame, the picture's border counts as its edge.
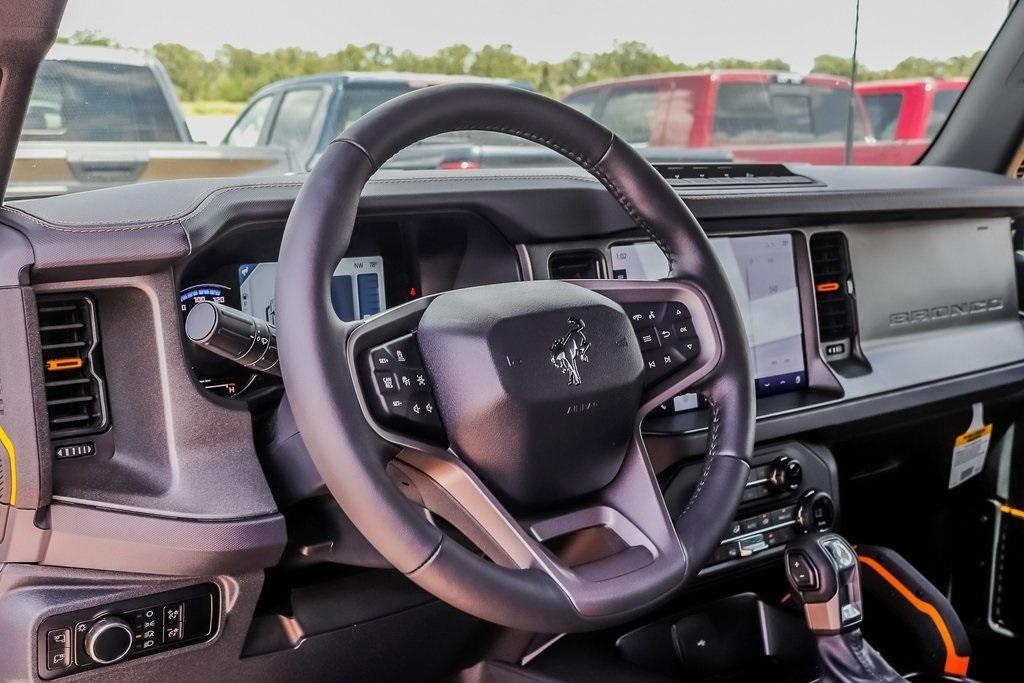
(357, 291)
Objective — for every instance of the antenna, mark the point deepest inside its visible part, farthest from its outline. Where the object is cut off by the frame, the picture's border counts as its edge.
(848, 152)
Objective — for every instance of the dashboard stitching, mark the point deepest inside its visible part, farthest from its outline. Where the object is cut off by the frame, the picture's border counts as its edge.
(88, 230)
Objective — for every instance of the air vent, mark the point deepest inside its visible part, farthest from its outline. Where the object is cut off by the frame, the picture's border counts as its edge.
(72, 365)
(575, 265)
(833, 294)
(730, 175)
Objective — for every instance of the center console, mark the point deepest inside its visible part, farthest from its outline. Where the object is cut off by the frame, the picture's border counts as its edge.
(792, 489)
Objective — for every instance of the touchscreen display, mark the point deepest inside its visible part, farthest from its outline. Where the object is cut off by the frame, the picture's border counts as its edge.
(357, 288)
(762, 273)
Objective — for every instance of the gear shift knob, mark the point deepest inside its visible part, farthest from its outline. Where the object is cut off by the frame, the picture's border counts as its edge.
(822, 570)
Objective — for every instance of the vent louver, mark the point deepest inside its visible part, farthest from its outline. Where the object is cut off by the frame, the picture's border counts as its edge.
(833, 293)
(72, 365)
(575, 265)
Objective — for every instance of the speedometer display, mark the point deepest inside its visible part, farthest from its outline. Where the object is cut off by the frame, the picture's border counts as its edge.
(218, 375)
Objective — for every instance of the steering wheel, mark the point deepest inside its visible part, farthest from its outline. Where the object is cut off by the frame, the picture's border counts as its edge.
(512, 411)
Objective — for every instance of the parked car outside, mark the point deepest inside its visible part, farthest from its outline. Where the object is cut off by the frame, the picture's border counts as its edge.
(304, 114)
(909, 108)
(104, 116)
(757, 115)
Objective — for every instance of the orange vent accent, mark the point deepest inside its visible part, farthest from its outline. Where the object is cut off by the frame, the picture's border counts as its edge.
(828, 287)
(62, 364)
(1013, 512)
(955, 664)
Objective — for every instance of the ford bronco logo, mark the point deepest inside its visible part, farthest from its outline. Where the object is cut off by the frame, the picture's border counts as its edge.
(568, 351)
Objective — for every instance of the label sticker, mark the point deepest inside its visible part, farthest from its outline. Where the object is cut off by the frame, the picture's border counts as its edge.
(970, 450)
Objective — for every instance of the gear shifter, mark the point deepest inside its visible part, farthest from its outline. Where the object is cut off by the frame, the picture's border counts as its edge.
(822, 570)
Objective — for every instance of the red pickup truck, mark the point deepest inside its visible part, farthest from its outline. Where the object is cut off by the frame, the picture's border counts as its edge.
(756, 115)
(909, 108)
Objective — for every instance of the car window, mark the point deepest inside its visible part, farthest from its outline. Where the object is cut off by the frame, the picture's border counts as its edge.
(294, 122)
(630, 113)
(359, 98)
(80, 101)
(246, 132)
(884, 113)
(942, 105)
(584, 102)
(758, 113)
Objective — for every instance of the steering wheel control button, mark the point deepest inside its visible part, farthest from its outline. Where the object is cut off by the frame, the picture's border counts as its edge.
(404, 398)
(387, 382)
(684, 329)
(801, 573)
(677, 311)
(649, 338)
(382, 358)
(665, 333)
(644, 314)
(405, 351)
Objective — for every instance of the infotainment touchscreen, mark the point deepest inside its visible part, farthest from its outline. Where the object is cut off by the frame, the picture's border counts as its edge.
(357, 288)
(762, 272)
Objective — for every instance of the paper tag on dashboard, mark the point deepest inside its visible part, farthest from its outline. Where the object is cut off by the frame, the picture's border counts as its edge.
(970, 449)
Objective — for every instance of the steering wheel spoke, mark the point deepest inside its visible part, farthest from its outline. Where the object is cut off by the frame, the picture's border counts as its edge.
(395, 389)
(677, 330)
(617, 549)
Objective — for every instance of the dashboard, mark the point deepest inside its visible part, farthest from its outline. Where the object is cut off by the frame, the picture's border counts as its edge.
(866, 293)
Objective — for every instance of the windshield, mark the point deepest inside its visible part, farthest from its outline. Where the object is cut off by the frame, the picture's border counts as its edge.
(260, 87)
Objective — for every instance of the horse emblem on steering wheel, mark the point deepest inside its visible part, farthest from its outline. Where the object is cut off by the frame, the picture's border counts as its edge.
(569, 351)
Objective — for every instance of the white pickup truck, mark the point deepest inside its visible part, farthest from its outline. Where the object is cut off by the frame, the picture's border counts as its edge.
(100, 117)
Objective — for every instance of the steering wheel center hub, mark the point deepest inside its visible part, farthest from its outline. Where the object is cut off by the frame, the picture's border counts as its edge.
(539, 385)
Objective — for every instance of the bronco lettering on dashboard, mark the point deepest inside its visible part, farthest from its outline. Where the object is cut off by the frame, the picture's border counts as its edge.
(938, 313)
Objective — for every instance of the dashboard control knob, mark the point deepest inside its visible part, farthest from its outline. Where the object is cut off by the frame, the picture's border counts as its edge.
(108, 640)
(815, 511)
(786, 474)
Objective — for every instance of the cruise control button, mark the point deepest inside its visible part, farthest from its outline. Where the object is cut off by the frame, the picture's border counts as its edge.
(423, 410)
(395, 405)
(407, 379)
(387, 382)
(382, 358)
(405, 351)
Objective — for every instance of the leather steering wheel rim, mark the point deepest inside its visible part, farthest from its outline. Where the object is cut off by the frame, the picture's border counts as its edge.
(352, 457)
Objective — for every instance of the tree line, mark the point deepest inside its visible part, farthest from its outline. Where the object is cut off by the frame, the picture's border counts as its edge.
(235, 73)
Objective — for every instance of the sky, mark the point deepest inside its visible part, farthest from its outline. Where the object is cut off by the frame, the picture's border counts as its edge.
(688, 31)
